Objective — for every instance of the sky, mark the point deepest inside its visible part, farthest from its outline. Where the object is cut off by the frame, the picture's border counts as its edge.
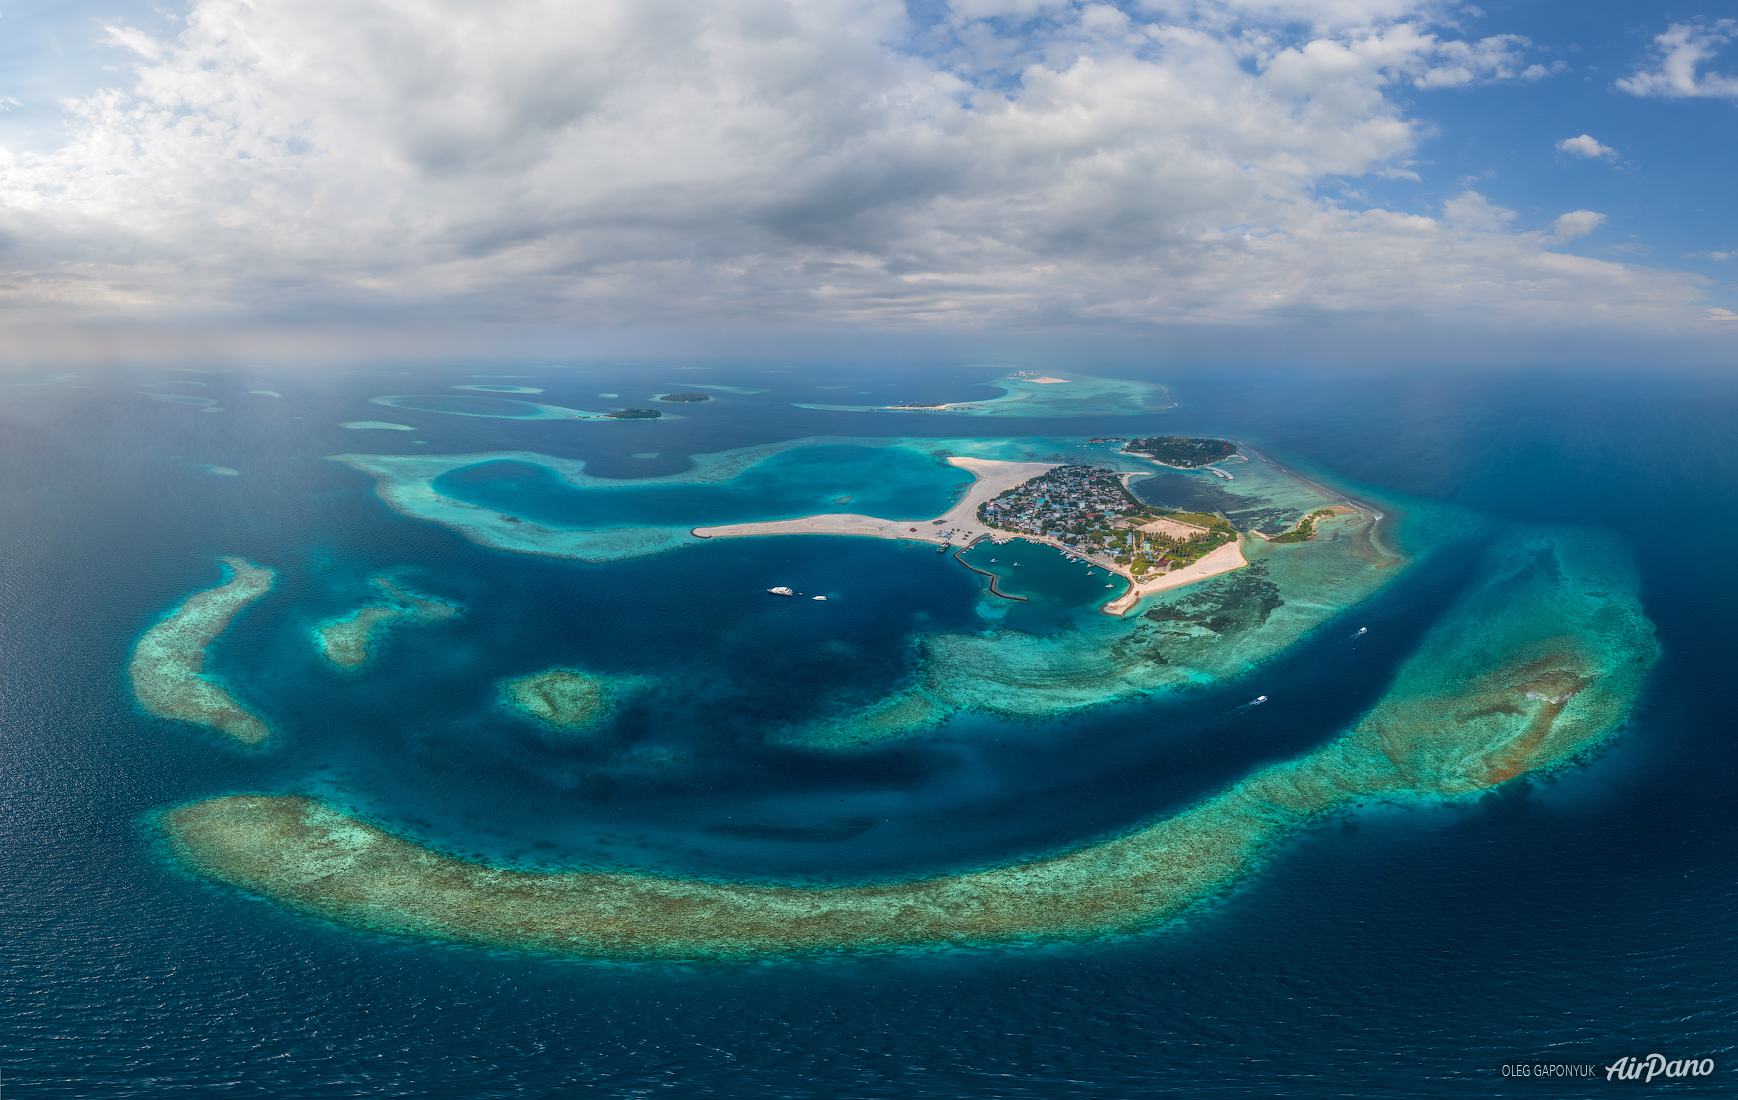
(1338, 178)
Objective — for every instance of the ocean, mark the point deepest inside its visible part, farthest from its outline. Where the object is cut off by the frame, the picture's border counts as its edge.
(1420, 949)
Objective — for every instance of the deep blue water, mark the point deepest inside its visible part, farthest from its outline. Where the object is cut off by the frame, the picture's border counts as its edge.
(1411, 951)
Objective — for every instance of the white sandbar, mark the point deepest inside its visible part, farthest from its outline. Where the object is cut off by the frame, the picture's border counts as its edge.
(993, 478)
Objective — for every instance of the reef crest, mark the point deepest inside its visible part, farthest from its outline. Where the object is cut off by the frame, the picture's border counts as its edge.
(347, 642)
(168, 661)
(1535, 665)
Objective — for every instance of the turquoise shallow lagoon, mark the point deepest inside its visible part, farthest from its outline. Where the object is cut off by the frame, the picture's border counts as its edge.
(1408, 946)
(878, 481)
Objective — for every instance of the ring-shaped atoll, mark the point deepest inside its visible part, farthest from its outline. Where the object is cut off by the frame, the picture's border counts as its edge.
(1533, 666)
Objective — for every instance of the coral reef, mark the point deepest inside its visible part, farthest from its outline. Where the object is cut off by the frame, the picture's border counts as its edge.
(167, 666)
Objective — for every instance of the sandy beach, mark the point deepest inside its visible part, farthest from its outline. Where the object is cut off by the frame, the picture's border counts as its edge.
(993, 478)
(1223, 560)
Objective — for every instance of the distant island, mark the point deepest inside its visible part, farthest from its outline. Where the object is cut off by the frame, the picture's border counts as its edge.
(634, 414)
(696, 397)
(1174, 450)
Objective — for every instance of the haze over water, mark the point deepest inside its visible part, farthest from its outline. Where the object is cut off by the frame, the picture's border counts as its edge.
(1577, 918)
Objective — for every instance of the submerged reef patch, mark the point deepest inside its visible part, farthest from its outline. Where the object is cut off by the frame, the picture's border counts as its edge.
(496, 407)
(1207, 632)
(1027, 394)
(166, 669)
(561, 697)
(1531, 667)
(347, 642)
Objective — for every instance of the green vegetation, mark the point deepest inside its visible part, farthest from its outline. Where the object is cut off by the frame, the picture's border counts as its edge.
(695, 397)
(1090, 511)
(1174, 450)
(634, 414)
(1306, 528)
(1178, 550)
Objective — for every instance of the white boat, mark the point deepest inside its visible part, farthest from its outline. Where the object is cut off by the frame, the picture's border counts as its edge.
(823, 599)
(1110, 586)
(1259, 699)
(781, 590)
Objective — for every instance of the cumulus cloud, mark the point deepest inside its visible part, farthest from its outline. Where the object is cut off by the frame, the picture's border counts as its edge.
(1576, 223)
(1678, 54)
(1722, 315)
(779, 162)
(1585, 146)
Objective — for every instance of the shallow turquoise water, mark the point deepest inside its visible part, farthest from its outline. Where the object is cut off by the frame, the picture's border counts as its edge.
(879, 481)
(1406, 949)
(494, 407)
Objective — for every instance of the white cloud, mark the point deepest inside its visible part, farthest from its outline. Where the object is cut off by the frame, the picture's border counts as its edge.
(1576, 223)
(1722, 315)
(1707, 255)
(779, 162)
(1678, 54)
(1585, 146)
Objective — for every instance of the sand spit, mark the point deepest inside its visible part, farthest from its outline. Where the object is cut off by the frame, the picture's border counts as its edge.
(993, 477)
(166, 669)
